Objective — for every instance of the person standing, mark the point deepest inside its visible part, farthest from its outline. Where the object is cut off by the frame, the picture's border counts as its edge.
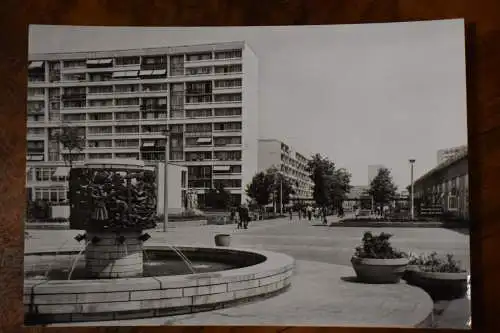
(290, 212)
(245, 216)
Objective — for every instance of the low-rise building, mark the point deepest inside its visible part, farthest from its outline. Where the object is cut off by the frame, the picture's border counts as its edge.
(447, 186)
(48, 181)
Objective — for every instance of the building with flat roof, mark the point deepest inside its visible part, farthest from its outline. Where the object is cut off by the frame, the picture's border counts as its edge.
(123, 101)
(446, 186)
(449, 153)
(292, 164)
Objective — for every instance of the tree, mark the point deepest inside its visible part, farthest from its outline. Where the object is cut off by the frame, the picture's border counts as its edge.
(279, 184)
(259, 189)
(218, 197)
(382, 187)
(322, 174)
(340, 186)
(71, 140)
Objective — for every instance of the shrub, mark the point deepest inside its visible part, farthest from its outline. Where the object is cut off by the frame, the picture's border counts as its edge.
(377, 247)
(435, 263)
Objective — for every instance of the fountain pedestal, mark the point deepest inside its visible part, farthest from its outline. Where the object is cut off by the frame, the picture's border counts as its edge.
(109, 258)
(113, 200)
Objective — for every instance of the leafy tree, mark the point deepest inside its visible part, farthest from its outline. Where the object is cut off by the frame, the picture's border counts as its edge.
(322, 174)
(260, 189)
(382, 187)
(71, 140)
(218, 197)
(340, 186)
(279, 184)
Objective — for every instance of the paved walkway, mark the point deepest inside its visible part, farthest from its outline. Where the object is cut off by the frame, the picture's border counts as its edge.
(303, 240)
(329, 301)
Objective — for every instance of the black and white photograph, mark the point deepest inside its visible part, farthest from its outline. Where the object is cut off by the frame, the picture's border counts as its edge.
(273, 175)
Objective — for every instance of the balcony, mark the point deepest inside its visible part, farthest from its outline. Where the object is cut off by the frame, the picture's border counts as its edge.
(212, 62)
(198, 105)
(227, 90)
(74, 96)
(100, 95)
(154, 107)
(227, 132)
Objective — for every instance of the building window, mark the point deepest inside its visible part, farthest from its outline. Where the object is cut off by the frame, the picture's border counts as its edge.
(44, 174)
(228, 112)
(127, 101)
(227, 98)
(452, 202)
(232, 54)
(199, 71)
(228, 69)
(52, 194)
(199, 56)
(183, 178)
(127, 61)
(235, 83)
(177, 156)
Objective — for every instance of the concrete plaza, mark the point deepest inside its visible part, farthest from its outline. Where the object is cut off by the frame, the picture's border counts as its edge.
(323, 256)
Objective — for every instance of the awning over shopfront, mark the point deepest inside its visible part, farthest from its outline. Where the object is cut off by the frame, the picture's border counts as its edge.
(61, 172)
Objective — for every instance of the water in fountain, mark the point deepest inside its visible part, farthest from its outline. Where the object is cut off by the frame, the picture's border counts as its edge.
(76, 260)
(188, 263)
(52, 263)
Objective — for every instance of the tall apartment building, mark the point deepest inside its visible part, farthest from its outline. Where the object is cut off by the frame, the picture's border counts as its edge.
(444, 155)
(293, 165)
(123, 101)
(373, 171)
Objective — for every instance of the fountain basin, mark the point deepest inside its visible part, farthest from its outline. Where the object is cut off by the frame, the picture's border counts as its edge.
(246, 274)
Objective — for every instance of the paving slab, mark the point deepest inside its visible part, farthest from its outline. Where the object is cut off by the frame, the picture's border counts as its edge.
(321, 295)
(305, 241)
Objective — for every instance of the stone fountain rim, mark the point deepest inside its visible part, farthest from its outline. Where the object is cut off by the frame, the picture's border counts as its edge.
(272, 261)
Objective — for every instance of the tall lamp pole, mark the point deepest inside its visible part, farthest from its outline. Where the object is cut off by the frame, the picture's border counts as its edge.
(281, 195)
(165, 180)
(412, 203)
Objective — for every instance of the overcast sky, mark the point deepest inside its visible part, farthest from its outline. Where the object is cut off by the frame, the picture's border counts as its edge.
(359, 94)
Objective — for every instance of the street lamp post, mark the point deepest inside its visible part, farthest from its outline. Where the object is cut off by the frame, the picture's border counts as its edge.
(165, 180)
(412, 203)
(281, 195)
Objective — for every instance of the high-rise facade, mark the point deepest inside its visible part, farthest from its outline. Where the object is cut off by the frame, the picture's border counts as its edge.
(122, 102)
(292, 164)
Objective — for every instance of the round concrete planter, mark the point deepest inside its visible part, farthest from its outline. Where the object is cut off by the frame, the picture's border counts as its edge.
(409, 271)
(440, 286)
(379, 270)
(222, 240)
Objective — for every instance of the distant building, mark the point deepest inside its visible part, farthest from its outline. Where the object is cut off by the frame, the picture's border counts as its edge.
(293, 165)
(354, 197)
(373, 171)
(449, 153)
(446, 186)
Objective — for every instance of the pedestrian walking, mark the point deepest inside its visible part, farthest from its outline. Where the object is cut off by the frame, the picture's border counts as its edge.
(309, 212)
(291, 213)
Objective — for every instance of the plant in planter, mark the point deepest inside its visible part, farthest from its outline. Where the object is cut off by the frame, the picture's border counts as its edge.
(442, 277)
(376, 261)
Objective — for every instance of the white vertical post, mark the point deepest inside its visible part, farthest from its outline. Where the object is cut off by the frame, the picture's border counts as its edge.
(412, 207)
(281, 196)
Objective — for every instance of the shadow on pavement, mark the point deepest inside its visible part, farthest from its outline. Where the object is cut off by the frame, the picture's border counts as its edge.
(351, 279)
